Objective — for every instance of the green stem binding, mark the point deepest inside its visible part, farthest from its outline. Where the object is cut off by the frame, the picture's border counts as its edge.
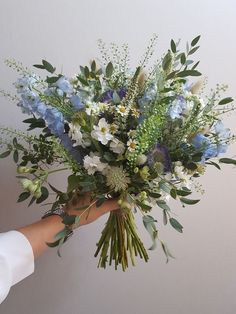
(118, 240)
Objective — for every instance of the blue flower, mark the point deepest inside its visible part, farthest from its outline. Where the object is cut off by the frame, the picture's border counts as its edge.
(76, 153)
(25, 83)
(54, 120)
(149, 95)
(76, 102)
(204, 144)
(64, 85)
(108, 95)
(222, 132)
(177, 107)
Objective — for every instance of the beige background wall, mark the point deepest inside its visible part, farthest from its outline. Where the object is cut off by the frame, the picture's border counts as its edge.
(202, 278)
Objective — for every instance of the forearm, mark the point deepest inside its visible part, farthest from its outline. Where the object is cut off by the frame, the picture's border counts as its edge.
(41, 232)
(44, 230)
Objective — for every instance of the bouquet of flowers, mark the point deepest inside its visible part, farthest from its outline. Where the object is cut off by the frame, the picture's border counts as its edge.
(141, 136)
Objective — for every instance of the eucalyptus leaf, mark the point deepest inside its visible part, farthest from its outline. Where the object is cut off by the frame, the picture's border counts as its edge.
(227, 161)
(195, 41)
(149, 224)
(188, 201)
(109, 69)
(23, 196)
(5, 154)
(173, 46)
(176, 225)
(226, 101)
(48, 67)
(186, 73)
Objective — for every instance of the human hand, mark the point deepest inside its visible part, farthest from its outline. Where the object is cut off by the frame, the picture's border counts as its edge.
(89, 212)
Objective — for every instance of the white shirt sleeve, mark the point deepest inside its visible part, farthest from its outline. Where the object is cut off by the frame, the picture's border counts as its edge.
(16, 260)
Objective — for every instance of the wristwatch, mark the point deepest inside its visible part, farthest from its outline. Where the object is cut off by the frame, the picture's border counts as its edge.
(58, 211)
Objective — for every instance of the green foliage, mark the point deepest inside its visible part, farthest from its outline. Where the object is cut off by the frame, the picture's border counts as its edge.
(149, 224)
(45, 66)
(176, 225)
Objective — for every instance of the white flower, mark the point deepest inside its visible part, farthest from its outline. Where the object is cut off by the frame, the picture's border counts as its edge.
(92, 108)
(121, 110)
(182, 175)
(101, 132)
(141, 159)
(103, 106)
(92, 164)
(117, 146)
(132, 144)
(75, 134)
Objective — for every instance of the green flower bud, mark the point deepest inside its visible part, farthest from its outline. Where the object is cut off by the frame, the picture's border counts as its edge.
(38, 193)
(26, 183)
(136, 170)
(143, 195)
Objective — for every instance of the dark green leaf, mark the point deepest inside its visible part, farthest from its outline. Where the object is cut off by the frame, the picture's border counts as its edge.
(39, 66)
(15, 156)
(5, 154)
(171, 75)
(226, 101)
(23, 196)
(31, 201)
(109, 69)
(195, 65)
(93, 66)
(188, 73)
(173, 193)
(69, 220)
(176, 225)
(183, 192)
(213, 164)
(228, 161)
(73, 182)
(188, 201)
(195, 41)
(48, 67)
(83, 81)
(183, 58)
(54, 189)
(155, 195)
(193, 50)
(143, 206)
(53, 244)
(86, 72)
(173, 46)
(44, 195)
(52, 79)
(166, 61)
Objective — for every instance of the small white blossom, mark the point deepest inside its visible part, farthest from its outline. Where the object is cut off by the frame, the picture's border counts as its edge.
(101, 132)
(181, 174)
(132, 144)
(92, 164)
(117, 146)
(122, 110)
(141, 159)
(92, 108)
(75, 134)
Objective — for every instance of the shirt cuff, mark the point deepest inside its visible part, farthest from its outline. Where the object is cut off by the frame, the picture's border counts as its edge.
(18, 253)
